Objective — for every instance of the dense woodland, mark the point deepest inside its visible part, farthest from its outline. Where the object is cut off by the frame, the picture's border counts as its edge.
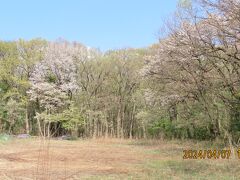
(186, 86)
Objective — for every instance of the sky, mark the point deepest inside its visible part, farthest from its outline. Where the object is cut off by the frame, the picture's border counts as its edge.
(103, 24)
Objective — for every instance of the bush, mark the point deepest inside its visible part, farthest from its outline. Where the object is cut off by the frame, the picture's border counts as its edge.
(162, 127)
(170, 129)
(4, 137)
(201, 133)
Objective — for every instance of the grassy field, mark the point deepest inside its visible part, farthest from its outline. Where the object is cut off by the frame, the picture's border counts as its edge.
(109, 159)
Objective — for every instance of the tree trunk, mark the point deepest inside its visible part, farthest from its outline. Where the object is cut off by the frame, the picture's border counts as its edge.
(144, 131)
(106, 126)
(94, 128)
(48, 130)
(10, 128)
(44, 128)
(122, 122)
(119, 123)
(131, 122)
(26, 121)
(39, 127)
(173, 112)
(106, 130)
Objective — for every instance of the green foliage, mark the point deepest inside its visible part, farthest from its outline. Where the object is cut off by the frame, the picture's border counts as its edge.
(180, 92)
(162, 127)
(71, 119)
(235, 121)
(201, 133)
(4, 138)
(3, 87)
(166, 128)
(51, 78)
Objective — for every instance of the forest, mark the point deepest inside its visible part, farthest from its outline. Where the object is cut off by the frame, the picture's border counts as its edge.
(186, 86)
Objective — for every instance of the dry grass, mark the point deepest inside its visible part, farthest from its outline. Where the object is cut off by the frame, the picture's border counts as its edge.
(106, 159)
(29, 159)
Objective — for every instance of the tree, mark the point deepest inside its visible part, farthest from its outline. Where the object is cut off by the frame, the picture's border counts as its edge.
(198, 65)
(53, 82)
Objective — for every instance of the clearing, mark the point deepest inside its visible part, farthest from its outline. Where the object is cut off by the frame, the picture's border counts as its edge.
(108, 159)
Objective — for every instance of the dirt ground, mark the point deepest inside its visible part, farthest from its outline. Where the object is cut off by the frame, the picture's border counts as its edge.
(62, 159)
(107, 159)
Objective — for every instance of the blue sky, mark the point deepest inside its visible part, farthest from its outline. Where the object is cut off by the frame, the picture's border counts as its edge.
(104, 24)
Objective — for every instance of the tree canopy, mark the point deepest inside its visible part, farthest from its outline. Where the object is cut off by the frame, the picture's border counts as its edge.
(185, 86)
